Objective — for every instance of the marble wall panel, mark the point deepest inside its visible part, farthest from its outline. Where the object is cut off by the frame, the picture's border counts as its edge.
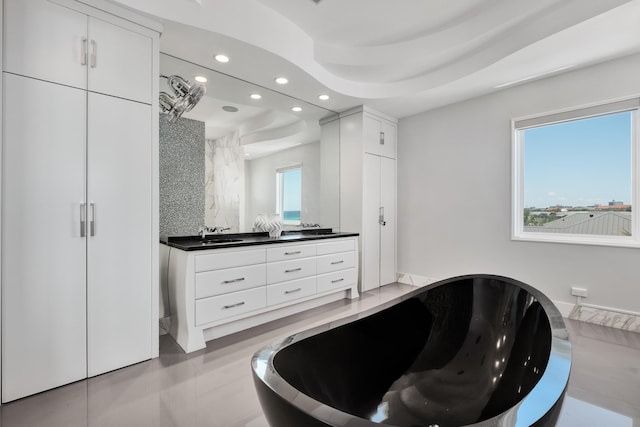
(627, 322)
(224, 184)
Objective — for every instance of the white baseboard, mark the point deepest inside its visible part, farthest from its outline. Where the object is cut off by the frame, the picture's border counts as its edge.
(414, 279)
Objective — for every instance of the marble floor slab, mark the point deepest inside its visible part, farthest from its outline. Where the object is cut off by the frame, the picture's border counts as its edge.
(213, 387)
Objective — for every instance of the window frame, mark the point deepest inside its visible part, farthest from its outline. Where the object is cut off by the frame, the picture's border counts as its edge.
(518, 125)
(279, 192)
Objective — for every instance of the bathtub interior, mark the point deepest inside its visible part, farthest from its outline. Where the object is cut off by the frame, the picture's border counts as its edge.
(452, 355)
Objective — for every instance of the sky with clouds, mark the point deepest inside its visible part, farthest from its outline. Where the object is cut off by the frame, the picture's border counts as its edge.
(579, 163)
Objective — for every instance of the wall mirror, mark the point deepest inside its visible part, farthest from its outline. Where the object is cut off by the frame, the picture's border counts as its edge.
(245, 150)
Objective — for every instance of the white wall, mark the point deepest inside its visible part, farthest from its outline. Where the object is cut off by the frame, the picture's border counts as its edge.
(260, 179)
(330, 175)
(454, 192)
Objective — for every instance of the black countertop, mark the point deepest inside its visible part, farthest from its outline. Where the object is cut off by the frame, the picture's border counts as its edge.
(233, 240)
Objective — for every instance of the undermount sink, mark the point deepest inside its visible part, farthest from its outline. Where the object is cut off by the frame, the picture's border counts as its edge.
(320, 232)
(214, 240)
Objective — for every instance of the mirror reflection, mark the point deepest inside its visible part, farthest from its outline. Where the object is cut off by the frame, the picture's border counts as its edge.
(242, 152)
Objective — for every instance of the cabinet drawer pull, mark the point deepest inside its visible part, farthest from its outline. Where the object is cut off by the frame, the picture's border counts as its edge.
(226, 282)
(83, 219)
(238, 304)
(94, 53)
(83, 51)
(337, 262)
(293, 253)
(338, 280)
(92, 221)
(381, 138)
(293, 270)
(293, 291)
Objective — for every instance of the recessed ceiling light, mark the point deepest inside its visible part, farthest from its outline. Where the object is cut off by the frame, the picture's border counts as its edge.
(323, 97)
(296, 109)
(222, 58)
(201, 79)
(281, 80)
(230, 109)
(255, 96)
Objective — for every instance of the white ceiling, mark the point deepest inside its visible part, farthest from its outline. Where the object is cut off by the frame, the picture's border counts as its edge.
(400, 57)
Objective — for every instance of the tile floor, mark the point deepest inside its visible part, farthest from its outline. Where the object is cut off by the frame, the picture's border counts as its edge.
(214, 388)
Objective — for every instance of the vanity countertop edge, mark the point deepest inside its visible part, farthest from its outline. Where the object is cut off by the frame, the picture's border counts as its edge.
(197, 243)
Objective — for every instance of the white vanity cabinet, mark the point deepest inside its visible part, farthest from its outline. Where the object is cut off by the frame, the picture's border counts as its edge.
(291, 273)
(216, 292)
(337, 263)
(229, 284)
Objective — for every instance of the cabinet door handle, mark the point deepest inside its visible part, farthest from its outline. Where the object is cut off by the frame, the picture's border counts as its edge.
(337, 262)
(381, 138)
(83, 51)
(293, 291)
(83, 220)
(293, 270)
(337, 281)
(94, 53)
(238, 304)
(381, 220)
(92, 221)
(293, 253)
(240, 279)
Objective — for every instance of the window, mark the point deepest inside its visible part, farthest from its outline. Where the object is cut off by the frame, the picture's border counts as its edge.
(576, 176)
(289, 194)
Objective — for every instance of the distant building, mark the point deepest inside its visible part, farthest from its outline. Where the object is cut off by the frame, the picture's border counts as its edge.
(614, 206)
(593, 223)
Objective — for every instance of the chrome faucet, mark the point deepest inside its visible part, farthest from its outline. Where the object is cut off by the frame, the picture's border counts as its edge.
(309, 225)
(204, 230)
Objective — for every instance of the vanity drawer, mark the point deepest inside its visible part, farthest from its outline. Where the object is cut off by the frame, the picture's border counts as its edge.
(335, 262)
(290, 270)
(217, 282)
(336, 246)
(216, 261)
(290, 252)
(287, 291)
(229, 305)
(338, 279)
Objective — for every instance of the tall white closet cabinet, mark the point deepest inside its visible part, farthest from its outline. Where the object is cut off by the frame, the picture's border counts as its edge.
(79, 224)
(368, 191)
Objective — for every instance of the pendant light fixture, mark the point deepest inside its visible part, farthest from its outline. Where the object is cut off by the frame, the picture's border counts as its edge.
(186, 96)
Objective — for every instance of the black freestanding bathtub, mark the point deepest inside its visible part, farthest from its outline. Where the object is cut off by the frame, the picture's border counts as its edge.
(475, 350)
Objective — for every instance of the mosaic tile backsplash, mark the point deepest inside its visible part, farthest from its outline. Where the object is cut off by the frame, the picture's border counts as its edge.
(182, 176)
